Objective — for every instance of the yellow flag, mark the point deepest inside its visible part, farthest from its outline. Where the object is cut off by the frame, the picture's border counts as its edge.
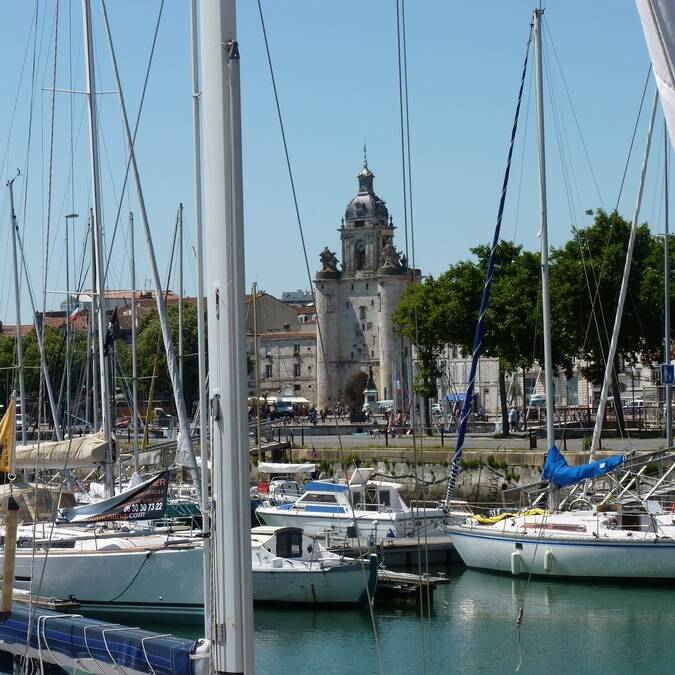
(7, 431)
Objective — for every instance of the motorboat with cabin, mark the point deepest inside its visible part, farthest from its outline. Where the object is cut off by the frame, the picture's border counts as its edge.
(289, 566)
(361, 507)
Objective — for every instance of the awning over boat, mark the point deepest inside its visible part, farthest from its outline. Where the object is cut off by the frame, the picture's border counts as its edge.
(560, 473)
(35, 502)
(281, 467)
(72, 453)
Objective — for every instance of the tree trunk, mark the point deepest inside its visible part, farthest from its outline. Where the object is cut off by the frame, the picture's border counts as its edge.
(502, 399)
(618, 406)
(427, 417)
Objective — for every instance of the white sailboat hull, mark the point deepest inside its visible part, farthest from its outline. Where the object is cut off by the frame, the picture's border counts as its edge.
(553, 555)
(338, 585)
(158, 584)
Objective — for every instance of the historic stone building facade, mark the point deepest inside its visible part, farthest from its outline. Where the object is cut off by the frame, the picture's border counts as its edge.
(355, 302)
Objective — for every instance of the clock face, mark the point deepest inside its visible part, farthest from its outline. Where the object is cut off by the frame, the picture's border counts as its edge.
(360, 246)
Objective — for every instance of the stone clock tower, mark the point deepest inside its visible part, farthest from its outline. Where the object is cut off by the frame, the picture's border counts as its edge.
(355, 304)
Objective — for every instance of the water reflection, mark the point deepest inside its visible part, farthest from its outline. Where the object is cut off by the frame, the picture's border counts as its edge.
(567, 628)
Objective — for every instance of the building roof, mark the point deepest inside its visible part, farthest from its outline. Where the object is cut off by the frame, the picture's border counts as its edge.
(287, 335)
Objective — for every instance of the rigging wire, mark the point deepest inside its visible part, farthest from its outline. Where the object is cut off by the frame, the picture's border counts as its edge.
(133, 140)
(311, 285)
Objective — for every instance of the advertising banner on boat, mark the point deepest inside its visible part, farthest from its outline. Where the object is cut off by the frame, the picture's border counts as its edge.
(146, 501)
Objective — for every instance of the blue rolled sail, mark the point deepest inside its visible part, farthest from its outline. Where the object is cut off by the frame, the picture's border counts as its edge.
(560, 473)
(480, 328)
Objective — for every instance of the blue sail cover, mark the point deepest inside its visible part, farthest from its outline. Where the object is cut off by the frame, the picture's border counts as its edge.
(560, 473)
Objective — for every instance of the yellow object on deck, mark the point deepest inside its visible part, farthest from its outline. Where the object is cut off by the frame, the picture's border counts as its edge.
(7, 437)
(491, 520)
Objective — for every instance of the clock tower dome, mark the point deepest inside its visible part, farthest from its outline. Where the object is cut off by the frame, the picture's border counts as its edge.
(355, 302)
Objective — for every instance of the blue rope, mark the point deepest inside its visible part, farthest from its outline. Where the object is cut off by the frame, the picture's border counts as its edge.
(480, 328)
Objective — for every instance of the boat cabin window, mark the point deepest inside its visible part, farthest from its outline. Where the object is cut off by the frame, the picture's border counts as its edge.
(289, 544)
(320, 497)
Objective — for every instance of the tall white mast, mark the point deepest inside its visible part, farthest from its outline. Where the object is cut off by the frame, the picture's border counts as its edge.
(180, 291)
(134, 361)
(667, 359)
(201, 330)
(97, 235)
(232, 650)
(543, 220)
(609, 365)
(185, 454)
(17, 303)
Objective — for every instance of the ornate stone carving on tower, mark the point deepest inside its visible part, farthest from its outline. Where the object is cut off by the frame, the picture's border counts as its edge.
(355, 304)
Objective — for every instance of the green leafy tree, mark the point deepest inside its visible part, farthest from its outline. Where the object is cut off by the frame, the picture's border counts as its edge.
(6, 366)
(422, 317)
(591, 264)
(149, 343)
(512, 317)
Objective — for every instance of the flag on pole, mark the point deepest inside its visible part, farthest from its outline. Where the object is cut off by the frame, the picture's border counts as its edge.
(7, 436)
(75, 313)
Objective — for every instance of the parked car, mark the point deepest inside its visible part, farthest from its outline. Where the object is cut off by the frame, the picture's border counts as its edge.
(436, 409)
(284, 409)
(537, 400)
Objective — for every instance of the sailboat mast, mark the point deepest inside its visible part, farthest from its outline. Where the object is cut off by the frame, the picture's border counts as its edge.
(597, 430)
(223, 216)
(256, 349)
(180, 291)
(98, 242)
(666, 293)
(17, 304)
(543, 220)
(201, 329)
(134, 362)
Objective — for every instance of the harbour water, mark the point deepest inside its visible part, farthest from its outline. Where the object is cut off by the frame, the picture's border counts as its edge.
(566, 628)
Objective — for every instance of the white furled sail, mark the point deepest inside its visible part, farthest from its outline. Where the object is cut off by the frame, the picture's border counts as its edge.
(658, 23)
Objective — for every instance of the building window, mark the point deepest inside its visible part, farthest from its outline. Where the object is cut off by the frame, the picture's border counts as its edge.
(297, 387)
(372, 303)
(268, 371)
(296, 370)
(296, 350)
(372, 354)
(369, 325)
(362, 312)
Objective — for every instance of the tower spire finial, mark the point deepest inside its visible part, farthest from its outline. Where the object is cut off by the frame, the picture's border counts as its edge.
(365, 155)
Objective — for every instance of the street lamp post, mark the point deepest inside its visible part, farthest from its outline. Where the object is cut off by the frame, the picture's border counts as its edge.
(68, 421)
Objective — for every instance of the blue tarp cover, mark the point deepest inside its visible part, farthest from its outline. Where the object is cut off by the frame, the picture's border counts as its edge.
(456, 397)
(78, 637)
(558, 471)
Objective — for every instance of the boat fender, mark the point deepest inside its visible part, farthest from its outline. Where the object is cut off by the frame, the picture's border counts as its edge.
(515, 563)
(548, 561)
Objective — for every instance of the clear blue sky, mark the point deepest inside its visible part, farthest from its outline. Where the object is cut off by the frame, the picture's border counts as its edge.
(336, 69)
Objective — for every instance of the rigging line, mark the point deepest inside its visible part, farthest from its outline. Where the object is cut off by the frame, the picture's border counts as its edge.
(632, 140)
(405, 123)
(566, 172)
(133, 140)
(311, 286)
(480, 326)
(401, 101)
(12, 117)
(71, 102)
(51, 167)
(574, 114)
(522, 154)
